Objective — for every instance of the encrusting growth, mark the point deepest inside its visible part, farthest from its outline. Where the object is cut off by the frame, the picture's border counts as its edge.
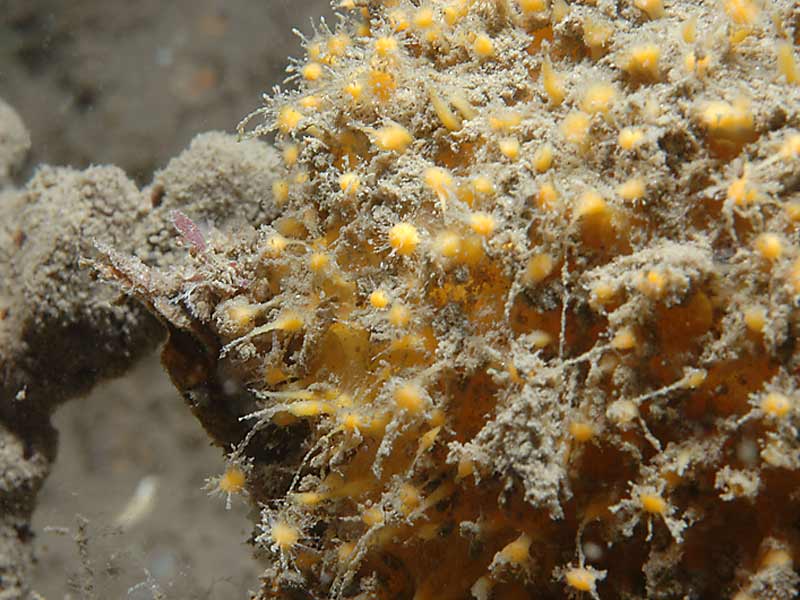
(526, 324)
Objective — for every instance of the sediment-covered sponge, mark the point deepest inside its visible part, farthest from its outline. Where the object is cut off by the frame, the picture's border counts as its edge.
(530, 305)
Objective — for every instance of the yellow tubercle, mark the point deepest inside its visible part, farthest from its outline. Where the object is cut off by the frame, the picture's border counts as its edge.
(792, 210)
(351, 422)
(447, 244)
(382, 84)
(309, 499)
(424, 17)
(483, 46)
(385, 46)
(409, 397)
(319, 261)
(580, 579)
(553, 83)
(311, 102)
(652, 8)
(624, 339)
(539, 268)
(363, 30)
(695, 378)
(338, 44)
(559, 10)
(591, 204)
(787, 66)
(742, 12)
(622, 412)
(428, 439)
(280, 191)
(653, 503)
(483, 186)
(696, 65)
(439, 180)
(776, 404)
(345, 551)
(630, 137)
(309, 408)
(290, 227)
(404, 238)
(543, 158)
(276, 244)
(482, 223)
(453, 13)
(517, 552)
(597, 35)
(653, 284)
(372, 516)
(232, 481)
(539, 339)
(432, 35)
(283, 419)
(465, 468)
(314, 51)
(288, 119)
(738, 35)
(448, 118)
(437, 418)
(312, 71)
(547, 196)
(598, 98)
(741, 192)
(379, 299)
(242, 314)
(689, 30)
(354, 89)
(509, 147)
(444, 490)
(393, 138)
(632, 189)
(409, 498)
(462, 104)
(274, 376)
(728, 121)
(343, 400)
(777, 557)
(755, 318)
(288, 321)
(642, 61)
(769, 246)
(581, 431)
(505, 120)
(399, 315)
(532, 6)
(575, 128)
(398, 20)
(790, 149)
(290, 154)
(284, 535)
(349, 183)
(603, 293)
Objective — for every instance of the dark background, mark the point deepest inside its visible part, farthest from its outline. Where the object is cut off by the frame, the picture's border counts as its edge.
(130, 82)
